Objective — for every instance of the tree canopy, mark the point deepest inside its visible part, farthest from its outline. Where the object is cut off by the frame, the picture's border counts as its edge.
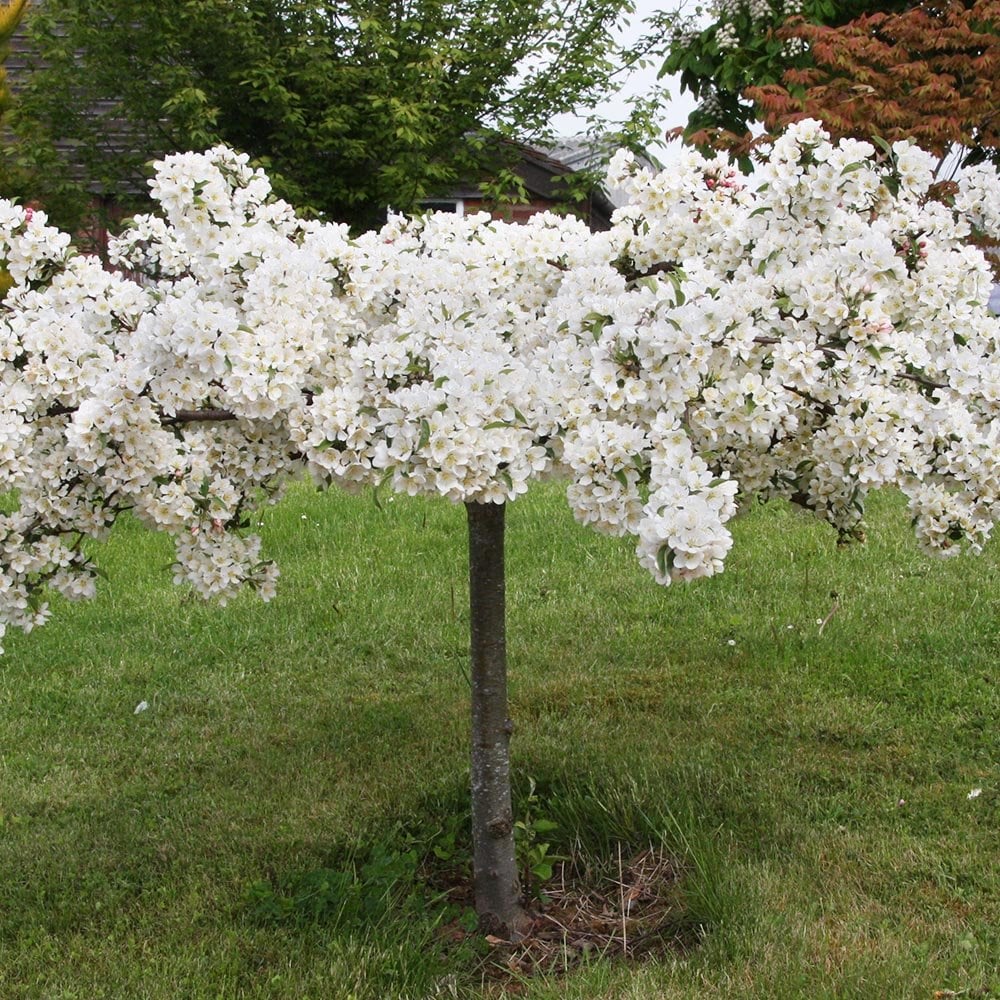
(926, 70)
(352, 106)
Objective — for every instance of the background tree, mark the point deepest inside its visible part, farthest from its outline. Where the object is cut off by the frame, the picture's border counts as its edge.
(31, 168)
(930, 73)
(738, 48)
(10, 17)
(351, 105)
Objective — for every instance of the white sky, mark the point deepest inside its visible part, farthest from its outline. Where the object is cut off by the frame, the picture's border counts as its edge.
(680, 106)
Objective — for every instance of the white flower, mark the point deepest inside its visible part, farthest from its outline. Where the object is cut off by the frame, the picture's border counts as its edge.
(813, 338)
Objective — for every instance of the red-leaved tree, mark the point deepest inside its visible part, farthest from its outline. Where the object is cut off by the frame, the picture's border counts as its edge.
(930, 74)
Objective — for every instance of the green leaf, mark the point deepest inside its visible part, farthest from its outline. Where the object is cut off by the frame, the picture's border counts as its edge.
(773, 255)
(882, 144)
(595, 322)
(677, 277)
(665, 560)
(543, 870)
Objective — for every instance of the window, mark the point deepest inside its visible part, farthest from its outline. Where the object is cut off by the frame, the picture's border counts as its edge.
(454, 205)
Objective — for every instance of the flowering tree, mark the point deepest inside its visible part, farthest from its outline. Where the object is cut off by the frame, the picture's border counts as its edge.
(814, 338)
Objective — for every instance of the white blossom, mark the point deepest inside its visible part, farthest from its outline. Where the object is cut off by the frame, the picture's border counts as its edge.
(814, 336)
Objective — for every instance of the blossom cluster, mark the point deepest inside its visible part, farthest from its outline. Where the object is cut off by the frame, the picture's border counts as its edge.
(842, 321)
(815, 334)
(978, 197)
(752, 15)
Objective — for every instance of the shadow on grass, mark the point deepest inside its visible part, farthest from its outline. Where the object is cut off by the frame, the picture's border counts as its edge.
(634, 880)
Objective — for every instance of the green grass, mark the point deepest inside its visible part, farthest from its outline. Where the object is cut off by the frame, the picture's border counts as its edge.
(813, 782)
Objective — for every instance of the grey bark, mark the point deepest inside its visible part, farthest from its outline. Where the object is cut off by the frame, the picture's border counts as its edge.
(496, 884)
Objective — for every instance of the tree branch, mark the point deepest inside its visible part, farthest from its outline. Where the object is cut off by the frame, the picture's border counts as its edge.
(922, 380)
(195, 416)
(180, 417)
(825, 408)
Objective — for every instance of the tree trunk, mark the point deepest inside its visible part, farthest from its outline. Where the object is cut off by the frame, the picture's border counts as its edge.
(494, 865)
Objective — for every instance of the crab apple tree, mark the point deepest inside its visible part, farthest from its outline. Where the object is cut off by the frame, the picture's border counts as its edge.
(816, 336)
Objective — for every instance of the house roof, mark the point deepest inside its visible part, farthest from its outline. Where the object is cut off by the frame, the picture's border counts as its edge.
(543, 170)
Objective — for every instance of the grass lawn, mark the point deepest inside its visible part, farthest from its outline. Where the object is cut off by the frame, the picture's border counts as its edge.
(813, 782)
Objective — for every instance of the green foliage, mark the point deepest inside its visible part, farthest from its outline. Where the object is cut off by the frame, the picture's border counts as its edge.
(535, 855)
(351, 106)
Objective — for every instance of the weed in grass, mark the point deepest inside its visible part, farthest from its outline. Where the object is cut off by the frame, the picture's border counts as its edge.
(535, 855)
(382, 906)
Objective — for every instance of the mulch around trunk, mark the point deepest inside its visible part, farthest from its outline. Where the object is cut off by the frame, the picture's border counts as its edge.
(632, 910)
